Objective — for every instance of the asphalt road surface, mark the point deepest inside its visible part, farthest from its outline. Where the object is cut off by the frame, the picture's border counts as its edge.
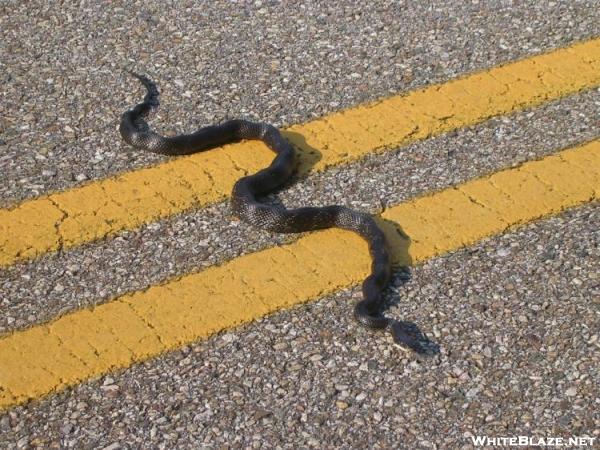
(515, 313)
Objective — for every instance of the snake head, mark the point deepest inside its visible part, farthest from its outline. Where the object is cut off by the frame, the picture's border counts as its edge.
(408, 337)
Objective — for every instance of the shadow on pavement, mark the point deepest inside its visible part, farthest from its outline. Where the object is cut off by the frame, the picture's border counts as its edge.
(405, 333)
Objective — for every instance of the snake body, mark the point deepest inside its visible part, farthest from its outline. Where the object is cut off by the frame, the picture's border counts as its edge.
(245, 204)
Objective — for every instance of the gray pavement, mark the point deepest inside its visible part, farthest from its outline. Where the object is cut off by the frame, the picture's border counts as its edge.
(37, 291)
(64, 87)
(516, 316)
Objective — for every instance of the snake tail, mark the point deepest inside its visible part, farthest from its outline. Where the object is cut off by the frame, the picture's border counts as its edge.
(246, 205)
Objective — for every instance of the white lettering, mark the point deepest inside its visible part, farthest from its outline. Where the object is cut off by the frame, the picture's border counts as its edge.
(547, 441)
(478, 440)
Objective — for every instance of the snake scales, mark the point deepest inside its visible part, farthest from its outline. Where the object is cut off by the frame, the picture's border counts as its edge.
(136, 132)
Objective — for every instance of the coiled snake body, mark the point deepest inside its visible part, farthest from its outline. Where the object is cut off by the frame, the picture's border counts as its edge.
(244, 203)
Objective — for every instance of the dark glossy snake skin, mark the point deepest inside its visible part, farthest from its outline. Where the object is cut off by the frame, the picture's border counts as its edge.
(135, 131)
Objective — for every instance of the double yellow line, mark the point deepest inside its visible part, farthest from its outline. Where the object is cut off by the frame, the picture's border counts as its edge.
(101, 208)
(140, 325)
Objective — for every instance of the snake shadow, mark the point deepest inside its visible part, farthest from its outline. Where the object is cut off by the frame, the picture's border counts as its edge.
(307, 155)
(399, 243)
(398, 240)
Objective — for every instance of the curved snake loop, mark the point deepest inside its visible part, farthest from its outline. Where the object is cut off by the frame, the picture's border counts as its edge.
(136, 132)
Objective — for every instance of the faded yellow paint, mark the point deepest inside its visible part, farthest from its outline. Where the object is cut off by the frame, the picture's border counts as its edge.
(143, 324)
(128, 201)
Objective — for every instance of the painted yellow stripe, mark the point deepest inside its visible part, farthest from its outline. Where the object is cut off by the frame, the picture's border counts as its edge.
(143, 324)
(105, 207)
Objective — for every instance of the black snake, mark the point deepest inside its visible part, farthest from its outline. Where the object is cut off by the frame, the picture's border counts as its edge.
(244, 203)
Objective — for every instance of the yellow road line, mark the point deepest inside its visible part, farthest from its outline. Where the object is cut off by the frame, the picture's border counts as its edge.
(143, 324)
(102, 208)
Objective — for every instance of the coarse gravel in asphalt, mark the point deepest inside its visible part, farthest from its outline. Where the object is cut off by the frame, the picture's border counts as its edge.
(64, 85)
(516, 315)
(516, 318)
(37, 291)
